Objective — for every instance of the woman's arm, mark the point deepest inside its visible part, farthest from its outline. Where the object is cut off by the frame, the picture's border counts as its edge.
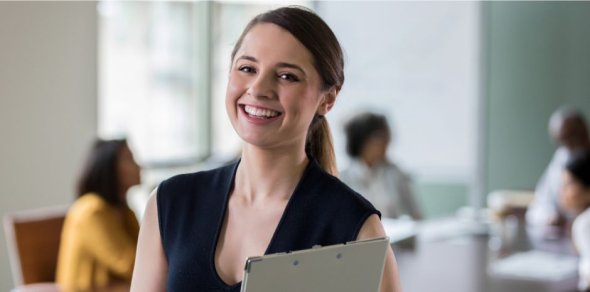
(372, 228)
(151, 266)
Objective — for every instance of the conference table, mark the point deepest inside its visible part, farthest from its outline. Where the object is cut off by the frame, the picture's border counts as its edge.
(468, 255)
(458, 254)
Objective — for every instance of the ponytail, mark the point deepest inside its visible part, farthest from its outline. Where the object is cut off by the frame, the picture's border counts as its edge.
(319, 145)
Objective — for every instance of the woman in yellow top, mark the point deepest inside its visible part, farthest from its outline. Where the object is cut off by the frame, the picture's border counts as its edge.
(100, 232)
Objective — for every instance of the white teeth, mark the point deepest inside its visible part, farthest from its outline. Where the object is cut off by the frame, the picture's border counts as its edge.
(266, 113)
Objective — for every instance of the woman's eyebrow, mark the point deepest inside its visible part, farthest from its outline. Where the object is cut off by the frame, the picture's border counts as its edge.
(280, 65)
(289, 65)
(249, 58)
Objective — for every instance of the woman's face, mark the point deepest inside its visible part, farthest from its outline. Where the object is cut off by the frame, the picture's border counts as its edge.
(374, 151)
(127, 169)
(274, 90)
(574, 196)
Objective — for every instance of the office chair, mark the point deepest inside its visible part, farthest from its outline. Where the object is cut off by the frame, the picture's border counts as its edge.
(33, 238)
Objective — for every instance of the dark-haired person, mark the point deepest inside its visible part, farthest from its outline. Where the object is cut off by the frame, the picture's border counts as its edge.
(575, 197)
(371, 174)
(567, 126)
(198, 229)
(99, 236)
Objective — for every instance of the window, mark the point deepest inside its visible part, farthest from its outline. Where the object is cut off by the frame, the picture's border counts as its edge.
(151, 85)
(163, 73)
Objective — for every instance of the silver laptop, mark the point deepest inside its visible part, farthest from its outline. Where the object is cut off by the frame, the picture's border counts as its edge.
(355, 266)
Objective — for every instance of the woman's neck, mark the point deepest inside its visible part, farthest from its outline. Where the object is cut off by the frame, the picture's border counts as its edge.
(268, 174)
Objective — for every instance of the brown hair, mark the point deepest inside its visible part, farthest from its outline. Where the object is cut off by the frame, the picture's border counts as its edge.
(579, 167)
(360, 128)
(309, 29)
(99, 175)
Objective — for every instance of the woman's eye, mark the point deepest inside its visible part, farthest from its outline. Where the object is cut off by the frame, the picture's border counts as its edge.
(246, 69)
(288, 77)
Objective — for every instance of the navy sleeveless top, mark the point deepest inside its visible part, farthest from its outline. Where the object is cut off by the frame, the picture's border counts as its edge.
(191, 207)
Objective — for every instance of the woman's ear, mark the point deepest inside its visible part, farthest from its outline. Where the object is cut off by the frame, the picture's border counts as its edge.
(328, 100)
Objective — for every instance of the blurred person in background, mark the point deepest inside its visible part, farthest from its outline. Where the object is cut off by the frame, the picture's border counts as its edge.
(568, 128)
(371, 174)
(575, 197)
(100, 231)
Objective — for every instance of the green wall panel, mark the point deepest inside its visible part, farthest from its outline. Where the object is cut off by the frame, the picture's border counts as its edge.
(536, 58)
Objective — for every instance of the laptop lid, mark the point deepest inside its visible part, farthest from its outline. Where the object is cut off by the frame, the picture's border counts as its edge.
(354, 266)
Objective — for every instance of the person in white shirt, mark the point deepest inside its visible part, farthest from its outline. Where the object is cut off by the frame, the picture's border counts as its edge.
(371, 174)
(567, 127)
(575, 197)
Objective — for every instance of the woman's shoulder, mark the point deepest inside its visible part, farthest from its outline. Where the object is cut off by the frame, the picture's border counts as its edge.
(333, 190)
(89, 202)
(327, 201)
(87, 206)
(191, 188)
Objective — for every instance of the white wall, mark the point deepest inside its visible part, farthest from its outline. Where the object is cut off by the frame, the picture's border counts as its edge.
(47, 104)
(417, 63)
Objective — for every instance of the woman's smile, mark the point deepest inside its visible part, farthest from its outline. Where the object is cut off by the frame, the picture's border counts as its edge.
(259, 115)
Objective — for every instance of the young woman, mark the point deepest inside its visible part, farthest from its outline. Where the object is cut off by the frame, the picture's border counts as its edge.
(100, 232)
(286, 71)
(575, 197)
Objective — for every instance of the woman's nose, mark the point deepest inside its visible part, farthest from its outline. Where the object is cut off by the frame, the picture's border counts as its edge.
(263, 86)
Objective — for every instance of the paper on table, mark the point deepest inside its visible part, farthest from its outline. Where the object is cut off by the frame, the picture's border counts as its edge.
(536, 265)
(451, 228)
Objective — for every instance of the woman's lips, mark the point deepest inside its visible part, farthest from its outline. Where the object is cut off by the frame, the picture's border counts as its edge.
(259, 115)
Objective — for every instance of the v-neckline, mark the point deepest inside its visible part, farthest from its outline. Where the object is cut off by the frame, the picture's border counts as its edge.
(229, 189)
